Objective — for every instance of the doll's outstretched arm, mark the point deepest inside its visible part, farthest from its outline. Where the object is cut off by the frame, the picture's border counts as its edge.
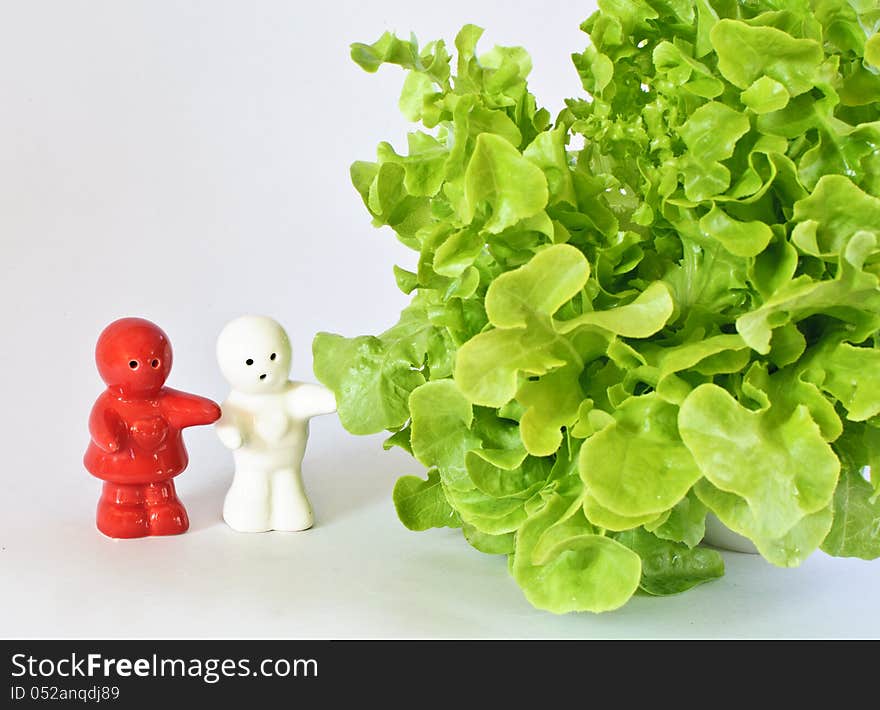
(310, 400)
(106, 428)
(185, 410)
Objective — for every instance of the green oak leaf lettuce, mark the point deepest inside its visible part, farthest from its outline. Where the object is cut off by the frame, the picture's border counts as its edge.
(662, 303)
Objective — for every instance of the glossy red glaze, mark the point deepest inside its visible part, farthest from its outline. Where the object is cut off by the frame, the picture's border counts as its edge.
(136, 443)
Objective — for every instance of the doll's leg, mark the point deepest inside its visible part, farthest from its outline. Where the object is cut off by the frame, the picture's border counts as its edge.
(167, 516)
(291, 509)
(121, 512)
(247, 504)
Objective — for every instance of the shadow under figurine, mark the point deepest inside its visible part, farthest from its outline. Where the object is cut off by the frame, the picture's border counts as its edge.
(266, 424)
(136, 442)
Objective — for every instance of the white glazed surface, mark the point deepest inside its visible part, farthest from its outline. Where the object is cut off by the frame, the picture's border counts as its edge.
(719, 535)
(265, 423)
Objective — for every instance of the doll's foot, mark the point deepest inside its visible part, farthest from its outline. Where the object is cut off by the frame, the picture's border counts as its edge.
(168, 519)
(122, 521)
(246, 507)
(166, 514)
(246, 521)
(291, 510)
(293, 522)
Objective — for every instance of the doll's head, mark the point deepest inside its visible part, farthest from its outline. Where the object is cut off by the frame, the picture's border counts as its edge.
(133, 355)
(254, 355)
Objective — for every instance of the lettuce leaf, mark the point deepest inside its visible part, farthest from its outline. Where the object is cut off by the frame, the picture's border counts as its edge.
(663, 302)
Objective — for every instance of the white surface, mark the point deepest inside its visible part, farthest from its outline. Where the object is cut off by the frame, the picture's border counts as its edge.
(150, 154)
(720, 536)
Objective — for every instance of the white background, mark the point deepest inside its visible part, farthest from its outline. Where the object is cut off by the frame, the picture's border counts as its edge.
(188, 162)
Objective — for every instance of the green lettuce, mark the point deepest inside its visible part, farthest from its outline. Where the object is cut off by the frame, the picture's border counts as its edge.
(662, 303)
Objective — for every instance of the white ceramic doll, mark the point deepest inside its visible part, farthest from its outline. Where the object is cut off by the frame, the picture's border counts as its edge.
(265, 422)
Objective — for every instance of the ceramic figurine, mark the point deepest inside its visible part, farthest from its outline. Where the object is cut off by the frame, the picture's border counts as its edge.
(136, 445)
(265, 422)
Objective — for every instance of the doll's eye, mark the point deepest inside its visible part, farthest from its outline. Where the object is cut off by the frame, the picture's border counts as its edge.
(249, 362)
(133, 364)
(154, 363)
(272, 356)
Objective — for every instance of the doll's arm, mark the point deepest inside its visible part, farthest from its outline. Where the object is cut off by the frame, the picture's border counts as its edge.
(229, 429)
(106, 428)
(309, 400)
(183, 409)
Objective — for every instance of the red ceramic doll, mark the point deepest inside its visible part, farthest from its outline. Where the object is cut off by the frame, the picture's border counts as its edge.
(135, 426)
